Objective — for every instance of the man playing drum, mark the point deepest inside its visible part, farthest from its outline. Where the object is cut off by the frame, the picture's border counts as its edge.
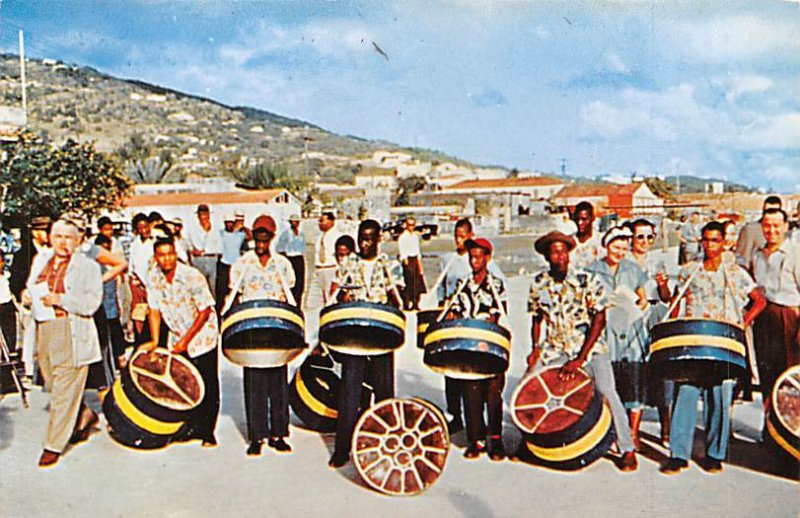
(482, 296)
(369, 277)
(573, 303)
(716, 289)
(259, 275)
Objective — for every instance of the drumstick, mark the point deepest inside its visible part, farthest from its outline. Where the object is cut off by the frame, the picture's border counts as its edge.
(286, 291)
(395, 291)
(442, 275)
(232, 295)
(452, 300)
(682, 292)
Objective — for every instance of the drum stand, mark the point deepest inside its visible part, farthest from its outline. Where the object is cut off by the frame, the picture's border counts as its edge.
(7, 363)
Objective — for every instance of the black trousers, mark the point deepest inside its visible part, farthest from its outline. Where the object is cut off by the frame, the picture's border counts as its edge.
(776, 334)
(480, 394)
(298, 263)
(8, 324)
(117, 337)
(203, 421)
(453, 393)
(221, 288)
(375, 370)
(266, 402)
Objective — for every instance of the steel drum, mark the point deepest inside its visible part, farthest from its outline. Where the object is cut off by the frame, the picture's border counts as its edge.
(697, 350)
(400, 446)
(425, 318)
(467, 348)
(566, 424)
(149, 403)
(263, 333)
(783, 411)
(362, 328)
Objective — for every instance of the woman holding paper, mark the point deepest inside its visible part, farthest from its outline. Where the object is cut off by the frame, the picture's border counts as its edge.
(625, 332)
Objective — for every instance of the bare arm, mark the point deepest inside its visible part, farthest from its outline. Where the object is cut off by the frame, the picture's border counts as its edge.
(598, 325)
(199, 321)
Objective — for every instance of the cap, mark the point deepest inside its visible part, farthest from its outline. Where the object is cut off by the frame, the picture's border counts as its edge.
(264, 222)
(542, 245)
(40, 222)
(202, 208)
(239, 214)
(294, 217)
(480, 242)
(615, 233)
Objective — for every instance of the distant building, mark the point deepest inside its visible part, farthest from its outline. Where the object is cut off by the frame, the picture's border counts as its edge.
(634, 199)
(535, 188)
(376, 178)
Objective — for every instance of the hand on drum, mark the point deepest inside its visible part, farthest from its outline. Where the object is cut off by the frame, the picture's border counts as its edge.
(532, 358)
(179, 346)
(570, 369)
(148, 346)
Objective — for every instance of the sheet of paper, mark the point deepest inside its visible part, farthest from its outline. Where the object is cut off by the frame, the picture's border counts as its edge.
(41, 312)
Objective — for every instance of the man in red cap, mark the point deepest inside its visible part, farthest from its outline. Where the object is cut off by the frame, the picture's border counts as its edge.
(482, 296)
(259, 275)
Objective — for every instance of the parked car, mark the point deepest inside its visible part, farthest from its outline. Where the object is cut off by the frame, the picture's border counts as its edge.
(393, 229)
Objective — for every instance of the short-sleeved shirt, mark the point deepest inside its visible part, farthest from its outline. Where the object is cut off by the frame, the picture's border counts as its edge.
(779, 274)
(480, 301)
(717, 295)
(179, 303)
(262, 282)
(567, 309)
(587, 253)
(231, 245)
(456, 267)
(141, 257)
(370, 281)
(291, 244)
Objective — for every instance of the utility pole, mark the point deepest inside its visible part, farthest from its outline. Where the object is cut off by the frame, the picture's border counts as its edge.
(22, 75)
(563, 168)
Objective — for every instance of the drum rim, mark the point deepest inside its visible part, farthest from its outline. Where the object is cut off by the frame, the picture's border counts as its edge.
(363, 304)
(263, 303)
(696, 319)
(773, 399)
(483, 323)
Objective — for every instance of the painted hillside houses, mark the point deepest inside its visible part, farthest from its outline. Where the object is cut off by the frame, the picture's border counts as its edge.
(634, 199)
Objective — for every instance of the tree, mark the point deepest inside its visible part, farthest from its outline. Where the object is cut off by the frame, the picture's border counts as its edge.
(42, 180)
(660, 187)
(272, 175)
(143, 164)
(408, 186)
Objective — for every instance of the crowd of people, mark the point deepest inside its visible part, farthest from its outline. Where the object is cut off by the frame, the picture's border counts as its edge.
(84, 303)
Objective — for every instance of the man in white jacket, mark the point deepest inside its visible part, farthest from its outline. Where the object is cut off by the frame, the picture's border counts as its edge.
(65, 289)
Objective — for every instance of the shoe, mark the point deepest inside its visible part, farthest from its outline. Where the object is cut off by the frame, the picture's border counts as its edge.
(48, 458)
(496, 450)
(82, 435)
(474, 450)
(673, 466)
(628, 462)
(455, 425)
(280, 445)
(254, 450)
(338, 460)
(210, 442)
(712, 465)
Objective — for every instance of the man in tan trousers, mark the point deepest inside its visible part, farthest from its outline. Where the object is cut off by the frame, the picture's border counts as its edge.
(65, 288)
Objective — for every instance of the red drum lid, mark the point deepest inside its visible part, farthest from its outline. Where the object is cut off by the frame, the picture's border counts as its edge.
(544, 404)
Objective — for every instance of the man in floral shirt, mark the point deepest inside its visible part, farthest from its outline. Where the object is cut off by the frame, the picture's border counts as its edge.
(719, 289)
(179, 294)
(482, 296)
(572, 303)
(368, 277)
(259, 275)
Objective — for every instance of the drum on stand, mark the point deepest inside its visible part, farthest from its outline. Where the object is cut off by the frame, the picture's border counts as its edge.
(362, 328)
(698, 350)
(566, 424)
(783, 411)
(467, 348)
(425, 318)
(263, 333)
(149, 403)
(400, 446)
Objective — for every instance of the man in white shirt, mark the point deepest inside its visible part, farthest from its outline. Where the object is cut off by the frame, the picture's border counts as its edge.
(141, 257)
(324, 269)
(411, 259)
(205, 245)
(776, 268)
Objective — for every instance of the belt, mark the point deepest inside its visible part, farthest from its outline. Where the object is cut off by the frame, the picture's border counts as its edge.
(325, 267)
(211, 255)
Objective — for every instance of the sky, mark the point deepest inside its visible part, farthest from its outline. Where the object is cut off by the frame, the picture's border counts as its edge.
(710, 89)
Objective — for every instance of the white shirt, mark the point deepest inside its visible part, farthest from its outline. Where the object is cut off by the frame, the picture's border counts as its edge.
(141, 253)
(779, 274)
(209, 242)
(408, 244)
(5, 291)
(325, 251)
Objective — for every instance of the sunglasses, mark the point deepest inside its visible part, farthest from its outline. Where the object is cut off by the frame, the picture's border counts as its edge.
(649, 237)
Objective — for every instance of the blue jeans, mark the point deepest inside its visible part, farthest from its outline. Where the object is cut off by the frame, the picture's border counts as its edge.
(717, 401)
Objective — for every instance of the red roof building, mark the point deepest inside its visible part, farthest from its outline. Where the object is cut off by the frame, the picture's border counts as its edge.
(634, 199)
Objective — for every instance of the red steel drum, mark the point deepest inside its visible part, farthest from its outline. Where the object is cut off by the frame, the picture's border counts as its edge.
(783, 412)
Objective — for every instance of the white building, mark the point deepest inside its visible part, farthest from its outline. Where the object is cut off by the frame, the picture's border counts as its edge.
(536, 188)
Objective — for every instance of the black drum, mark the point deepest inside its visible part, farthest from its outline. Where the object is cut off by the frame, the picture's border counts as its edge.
(425, 318)
(566, 424)
(263, 333)
(149, 403)
(783, 412)
(467, 348)
(698, 350)
(362, 328)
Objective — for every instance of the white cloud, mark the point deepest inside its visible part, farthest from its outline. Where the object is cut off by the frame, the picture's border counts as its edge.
(747, 84)
(615, 63)
(775, 132)
(732, 37)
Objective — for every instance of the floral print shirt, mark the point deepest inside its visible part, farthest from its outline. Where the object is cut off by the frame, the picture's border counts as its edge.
(370, 281)
(254, 281)
(478, 301)
(587, 253)
(718, 295)
(180, 301)
(567, 309)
